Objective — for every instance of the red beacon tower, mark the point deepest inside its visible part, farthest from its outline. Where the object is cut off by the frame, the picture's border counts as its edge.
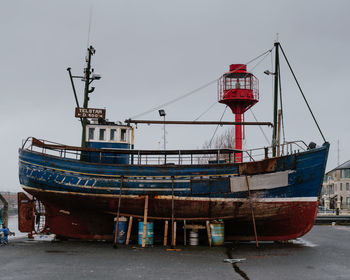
(239, 90)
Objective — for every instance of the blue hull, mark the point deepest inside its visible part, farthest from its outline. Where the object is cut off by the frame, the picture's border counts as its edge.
(281, 189)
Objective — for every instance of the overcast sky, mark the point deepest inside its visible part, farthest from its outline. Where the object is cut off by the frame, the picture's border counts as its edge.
(150, 52)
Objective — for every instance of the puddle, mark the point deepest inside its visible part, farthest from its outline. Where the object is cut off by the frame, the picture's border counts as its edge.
(346, 228)
(303, 242)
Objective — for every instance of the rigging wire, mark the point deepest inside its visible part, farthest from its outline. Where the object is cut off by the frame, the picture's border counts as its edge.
(174, 100)
(251, 108)
(302, 93)
(211, 140)
(265, 55)
(206, 111)
(267, 140)
(193, 91)
(256, 65)
(272, 92)
(281, 103)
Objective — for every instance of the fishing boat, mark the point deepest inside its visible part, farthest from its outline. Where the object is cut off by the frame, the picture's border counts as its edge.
(268, 193)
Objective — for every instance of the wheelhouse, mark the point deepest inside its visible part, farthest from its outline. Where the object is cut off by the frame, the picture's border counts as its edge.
(109, 136)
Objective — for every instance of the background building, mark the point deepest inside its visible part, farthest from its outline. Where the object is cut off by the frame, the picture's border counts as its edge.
(11, 199)
(336, 187)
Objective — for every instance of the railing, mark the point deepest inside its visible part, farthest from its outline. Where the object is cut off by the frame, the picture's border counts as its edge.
(225, 84)
(159, 157)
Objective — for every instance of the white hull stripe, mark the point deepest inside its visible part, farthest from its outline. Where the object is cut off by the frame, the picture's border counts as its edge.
(168, 197)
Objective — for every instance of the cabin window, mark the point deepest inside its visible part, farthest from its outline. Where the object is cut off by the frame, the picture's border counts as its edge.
(123, 135)
(113, 135)
(102, 134)
(91, 133)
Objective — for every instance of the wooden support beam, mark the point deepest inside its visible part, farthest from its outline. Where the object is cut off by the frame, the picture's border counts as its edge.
(208, 232)
(166, 224)
(145, 213)
(129, 231)
(185, 238)
(115, 233)
(195, 227)
(199, 219)
(173, 239)
(173, 223)
(118, 214)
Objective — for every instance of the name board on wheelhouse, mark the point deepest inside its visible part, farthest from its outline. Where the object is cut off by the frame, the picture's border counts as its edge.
(92, 113)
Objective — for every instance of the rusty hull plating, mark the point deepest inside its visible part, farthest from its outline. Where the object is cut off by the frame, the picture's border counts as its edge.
(81, 197)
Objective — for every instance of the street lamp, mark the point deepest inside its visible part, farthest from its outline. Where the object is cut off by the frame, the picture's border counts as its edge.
(268, 72)
(163, 114)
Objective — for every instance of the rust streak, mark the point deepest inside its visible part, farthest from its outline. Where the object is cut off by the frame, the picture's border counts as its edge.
(263, 166)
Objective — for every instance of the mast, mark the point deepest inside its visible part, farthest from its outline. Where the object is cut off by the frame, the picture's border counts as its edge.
(88, 78)
(275, 102)
(87, 72)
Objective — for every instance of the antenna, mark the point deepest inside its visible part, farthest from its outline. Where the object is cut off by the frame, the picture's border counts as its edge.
(90, 19)
(277, 37)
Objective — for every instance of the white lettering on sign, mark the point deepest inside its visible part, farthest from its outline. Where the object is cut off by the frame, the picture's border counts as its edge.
(90, 113)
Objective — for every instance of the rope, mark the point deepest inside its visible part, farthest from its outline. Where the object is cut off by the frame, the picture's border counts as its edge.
(193, 91)
(302, 93)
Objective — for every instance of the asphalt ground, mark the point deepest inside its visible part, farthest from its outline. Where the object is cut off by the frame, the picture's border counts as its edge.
(324, 253)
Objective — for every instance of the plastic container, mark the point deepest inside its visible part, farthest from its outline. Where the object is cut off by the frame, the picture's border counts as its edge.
(149, 233)
(217, 233)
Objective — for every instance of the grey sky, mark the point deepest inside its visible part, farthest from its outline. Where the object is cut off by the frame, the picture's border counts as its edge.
(150, 52)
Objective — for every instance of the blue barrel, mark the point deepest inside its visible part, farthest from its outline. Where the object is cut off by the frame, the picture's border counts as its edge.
(149, 233)
(217, 233)
(4, 232)
(122, 229)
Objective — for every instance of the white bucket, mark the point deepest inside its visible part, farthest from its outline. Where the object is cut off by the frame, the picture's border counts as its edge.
(193, 238)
